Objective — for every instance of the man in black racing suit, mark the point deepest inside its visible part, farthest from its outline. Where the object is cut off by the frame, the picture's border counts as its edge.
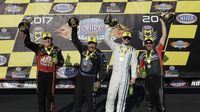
(93, 62)
(48, 58)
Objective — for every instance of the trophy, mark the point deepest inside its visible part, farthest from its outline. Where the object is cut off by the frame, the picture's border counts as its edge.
(24, 26)
(109, 21)
(167, 17)
(73, 22)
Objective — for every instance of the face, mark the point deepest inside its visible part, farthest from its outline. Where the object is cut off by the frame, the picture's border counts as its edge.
(91, 46)
(126, 40)
(149, 45)
(47, 42)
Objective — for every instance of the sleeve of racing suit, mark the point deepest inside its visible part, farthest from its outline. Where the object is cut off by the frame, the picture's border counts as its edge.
(108, 39)
(75, 40)
(102, 67)
(60, 58)
(134, 63)
(31, 45)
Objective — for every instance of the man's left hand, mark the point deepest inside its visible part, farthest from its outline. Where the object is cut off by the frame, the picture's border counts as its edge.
(98, 84)
(132, 81)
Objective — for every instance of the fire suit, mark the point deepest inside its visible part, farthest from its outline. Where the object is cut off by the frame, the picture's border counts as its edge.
(89, 68)
(46, 74)
(153, 80)
(119, 82)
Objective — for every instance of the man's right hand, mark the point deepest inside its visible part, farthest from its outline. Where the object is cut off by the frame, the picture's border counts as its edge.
(73, 22)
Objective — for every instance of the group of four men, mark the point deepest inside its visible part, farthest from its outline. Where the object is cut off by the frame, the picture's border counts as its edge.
(93, 62)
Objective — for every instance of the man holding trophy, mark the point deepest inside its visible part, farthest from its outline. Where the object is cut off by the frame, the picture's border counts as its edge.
(48, 58)
(93, 62)
(152, 70)
(125, 56)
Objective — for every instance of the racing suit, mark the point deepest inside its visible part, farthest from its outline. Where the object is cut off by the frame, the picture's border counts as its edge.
(46, 73)
(153, 79)
(89, 68)
(119, 82)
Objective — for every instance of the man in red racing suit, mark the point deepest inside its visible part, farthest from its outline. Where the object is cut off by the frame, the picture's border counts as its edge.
(48, 58)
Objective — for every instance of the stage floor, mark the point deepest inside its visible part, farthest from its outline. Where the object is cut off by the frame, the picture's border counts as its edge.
(175, 102)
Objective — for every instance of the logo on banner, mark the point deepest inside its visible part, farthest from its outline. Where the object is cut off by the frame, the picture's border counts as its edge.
(3, 60)
(67, 72)
(163, 7)
(19, 73)
(172, 72)
(13, 9)
(113, 8)
(178, 83)
(147, 32)
(91, 27)
(186, 18)
(12, 84)
(180, 44)
(195, 83)
(4, 34)
(36, 36)
(63, 8)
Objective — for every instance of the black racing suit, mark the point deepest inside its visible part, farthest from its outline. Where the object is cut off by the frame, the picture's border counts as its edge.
(89, 68)
(154, 79)
(46, 74)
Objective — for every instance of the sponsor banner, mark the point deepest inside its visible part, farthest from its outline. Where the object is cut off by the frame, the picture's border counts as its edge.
(147, 32)
(92, 27)
(178, 83)
(171, 72)
(18, 72)
(67, 72)
(12, 9)
(63, 8)
(180, 44)
(186, 18)
(4, 59)
(195, 83)
(163, 6)
(12, 84)
(8, 33)
(112, 7)
(65, 84)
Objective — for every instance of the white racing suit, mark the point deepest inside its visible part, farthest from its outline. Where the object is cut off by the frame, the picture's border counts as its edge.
(119, 82)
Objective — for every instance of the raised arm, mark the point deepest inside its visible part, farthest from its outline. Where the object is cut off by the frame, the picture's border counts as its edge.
(75, 39)
(164, 33)
(108, 39)
(31, 45)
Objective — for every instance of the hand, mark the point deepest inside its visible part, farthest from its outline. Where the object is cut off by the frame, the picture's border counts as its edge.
(109, 21)
(98, 84)
(132, 81)
(73, 22)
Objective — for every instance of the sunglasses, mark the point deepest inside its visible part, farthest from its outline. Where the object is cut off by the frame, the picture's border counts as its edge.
(91, 43)
(148, 42)
(126, 38)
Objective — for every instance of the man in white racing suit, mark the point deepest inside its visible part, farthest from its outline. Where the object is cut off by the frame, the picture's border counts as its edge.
(124, 56)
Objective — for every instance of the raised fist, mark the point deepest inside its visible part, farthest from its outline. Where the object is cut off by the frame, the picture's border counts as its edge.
(109, 21)
(73, 22)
